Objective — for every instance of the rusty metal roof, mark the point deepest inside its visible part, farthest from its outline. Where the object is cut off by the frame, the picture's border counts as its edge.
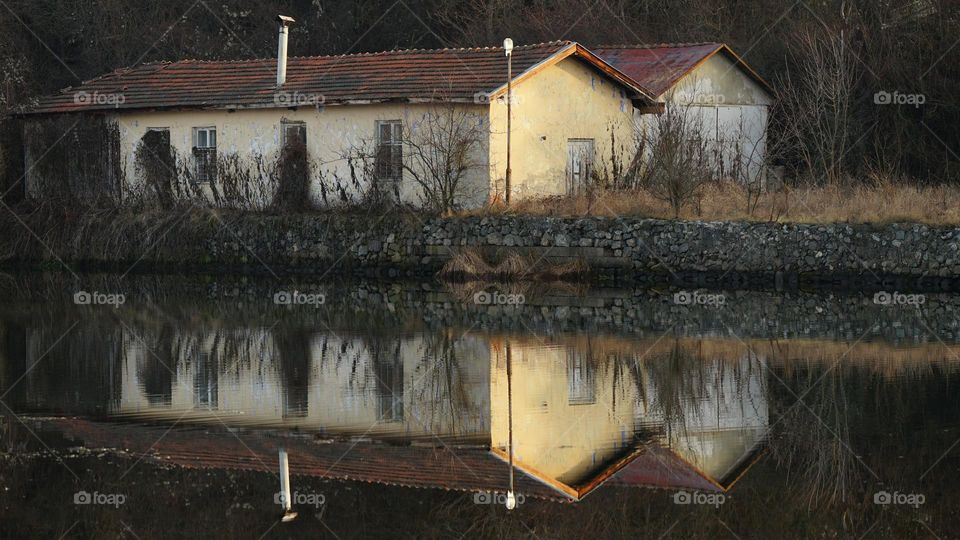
(461, 75)
(658, 67)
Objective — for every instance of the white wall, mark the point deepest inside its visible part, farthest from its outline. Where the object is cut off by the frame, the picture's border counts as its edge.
(331, 133)
(731, 108)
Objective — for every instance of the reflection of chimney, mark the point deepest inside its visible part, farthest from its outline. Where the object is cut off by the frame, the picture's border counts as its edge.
(282, 49)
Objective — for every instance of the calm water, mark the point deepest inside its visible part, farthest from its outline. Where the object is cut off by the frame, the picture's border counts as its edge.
(400, 407)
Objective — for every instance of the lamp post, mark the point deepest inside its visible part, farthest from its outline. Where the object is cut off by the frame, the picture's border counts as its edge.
(286, 499)
(511, 498)
(508, 49)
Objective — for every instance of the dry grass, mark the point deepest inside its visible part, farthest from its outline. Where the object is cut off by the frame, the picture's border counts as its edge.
(470, 266)
(881, 203)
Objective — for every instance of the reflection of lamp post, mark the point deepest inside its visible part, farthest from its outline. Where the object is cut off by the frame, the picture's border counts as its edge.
(511, 499)
(508, 48)
(288, 513)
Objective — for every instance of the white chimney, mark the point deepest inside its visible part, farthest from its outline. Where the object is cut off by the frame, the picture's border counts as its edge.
(282, 49)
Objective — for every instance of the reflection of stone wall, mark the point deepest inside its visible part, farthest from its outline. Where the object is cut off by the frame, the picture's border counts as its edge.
(626, 247)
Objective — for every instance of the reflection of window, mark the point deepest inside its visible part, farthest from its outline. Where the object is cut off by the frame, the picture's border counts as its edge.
(205, 154)
(390, 391)
(205, 395)
(389, 159)
(581, 384)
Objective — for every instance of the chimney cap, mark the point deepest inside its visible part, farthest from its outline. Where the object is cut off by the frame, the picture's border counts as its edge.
(284, 20)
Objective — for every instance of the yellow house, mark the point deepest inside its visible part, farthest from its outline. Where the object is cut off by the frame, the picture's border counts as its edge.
(369, 123)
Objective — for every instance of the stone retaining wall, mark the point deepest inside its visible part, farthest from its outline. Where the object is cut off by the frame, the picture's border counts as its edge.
(624, 247)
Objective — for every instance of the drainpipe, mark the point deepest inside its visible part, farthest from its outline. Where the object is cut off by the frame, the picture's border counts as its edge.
(284, 23)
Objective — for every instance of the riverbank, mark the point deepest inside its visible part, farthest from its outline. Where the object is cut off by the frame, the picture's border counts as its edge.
(398, 244)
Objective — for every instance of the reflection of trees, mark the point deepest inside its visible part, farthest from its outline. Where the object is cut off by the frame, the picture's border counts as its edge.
(442, 394)
(812, 442)
(79, 370)
(676, 379)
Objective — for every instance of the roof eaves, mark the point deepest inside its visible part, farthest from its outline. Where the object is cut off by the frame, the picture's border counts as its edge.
(557, 56)
(575, 49)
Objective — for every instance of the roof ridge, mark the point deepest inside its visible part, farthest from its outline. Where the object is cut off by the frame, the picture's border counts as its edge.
(356, 54)
(660, 45)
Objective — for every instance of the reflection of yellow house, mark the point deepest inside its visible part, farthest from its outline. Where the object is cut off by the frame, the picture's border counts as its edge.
(570, 417)
(578, 418)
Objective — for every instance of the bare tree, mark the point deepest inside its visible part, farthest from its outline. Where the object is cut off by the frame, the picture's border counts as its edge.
(675, 158)
(442, 149)
(817, 104)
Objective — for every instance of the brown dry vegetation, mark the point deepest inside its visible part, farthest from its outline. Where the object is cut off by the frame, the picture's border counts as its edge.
(883, 202)
(470, 266)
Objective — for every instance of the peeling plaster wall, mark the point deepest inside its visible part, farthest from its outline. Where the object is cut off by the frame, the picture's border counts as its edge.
(331, 132)
(566, 101)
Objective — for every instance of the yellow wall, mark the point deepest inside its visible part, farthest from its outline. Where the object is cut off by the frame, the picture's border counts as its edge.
(569, 100)
(564, 441)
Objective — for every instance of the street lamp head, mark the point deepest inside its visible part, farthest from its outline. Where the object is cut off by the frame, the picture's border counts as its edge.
(508, 46)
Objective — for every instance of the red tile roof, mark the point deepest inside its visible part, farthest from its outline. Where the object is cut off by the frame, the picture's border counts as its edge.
(406, 75)
(658, 67)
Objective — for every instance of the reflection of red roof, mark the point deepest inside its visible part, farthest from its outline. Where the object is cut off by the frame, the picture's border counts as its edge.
(658, 67)
(472, 469)
(418, 74)
(660, 468)
(463, 469)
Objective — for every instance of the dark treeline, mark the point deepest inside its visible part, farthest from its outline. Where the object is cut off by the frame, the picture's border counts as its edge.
(865, 46)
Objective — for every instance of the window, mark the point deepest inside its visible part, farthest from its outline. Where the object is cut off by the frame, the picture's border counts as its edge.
(293, 133)
(581, 384)
(205, 382)
(389, 159)
(390, 390)
(205, 154)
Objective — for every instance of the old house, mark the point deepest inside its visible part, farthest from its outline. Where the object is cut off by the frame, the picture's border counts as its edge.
(427, 126)
(717, 93)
